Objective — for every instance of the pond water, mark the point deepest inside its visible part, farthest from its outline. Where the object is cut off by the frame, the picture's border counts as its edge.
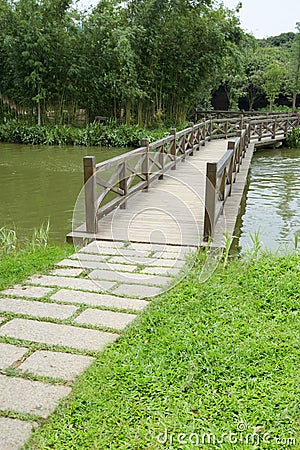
(40, 183)
(272, 202)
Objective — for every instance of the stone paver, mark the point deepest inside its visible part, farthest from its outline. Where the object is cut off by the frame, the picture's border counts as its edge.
(96, 265)
(55, 364)
(102, 251)
(136, 278)
(14, 433)
(104, 300)
(32, 397)
(110, 319)
(67, 272)
(108, 244)
(88, 257)
(27, 291)
(153, 261)
(56, 334)
(37, 309)
(138, 290)
(9, 354)
(167, 271)
(72, 283)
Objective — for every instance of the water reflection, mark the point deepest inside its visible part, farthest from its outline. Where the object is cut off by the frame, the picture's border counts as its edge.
(273, 198)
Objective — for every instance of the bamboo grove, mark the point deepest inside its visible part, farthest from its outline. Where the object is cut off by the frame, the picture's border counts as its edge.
(147, 61)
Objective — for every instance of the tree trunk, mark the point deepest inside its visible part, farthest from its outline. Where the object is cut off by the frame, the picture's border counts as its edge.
(140, 113)
(39, 113)
(128, 112)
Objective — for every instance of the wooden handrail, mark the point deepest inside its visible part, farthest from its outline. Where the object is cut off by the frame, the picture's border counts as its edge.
(137, 169)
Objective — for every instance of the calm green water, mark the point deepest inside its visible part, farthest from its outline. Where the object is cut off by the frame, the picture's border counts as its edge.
(273, 199)
(41, 183)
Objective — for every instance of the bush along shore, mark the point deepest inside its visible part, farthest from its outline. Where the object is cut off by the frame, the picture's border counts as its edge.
(94, 134)
(212, 365)
(293, 138)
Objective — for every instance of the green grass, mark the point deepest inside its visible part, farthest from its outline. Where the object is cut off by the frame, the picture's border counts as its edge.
(218, 357)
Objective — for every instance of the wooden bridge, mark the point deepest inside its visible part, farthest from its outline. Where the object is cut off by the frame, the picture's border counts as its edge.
(184, 189)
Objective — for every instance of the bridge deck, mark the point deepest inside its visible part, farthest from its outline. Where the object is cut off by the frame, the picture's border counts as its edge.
(172, 210)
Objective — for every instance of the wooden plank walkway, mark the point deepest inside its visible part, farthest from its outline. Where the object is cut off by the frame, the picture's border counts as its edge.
(172, 210)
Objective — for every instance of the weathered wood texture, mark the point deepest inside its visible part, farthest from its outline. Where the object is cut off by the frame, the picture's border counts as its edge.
(176, 189)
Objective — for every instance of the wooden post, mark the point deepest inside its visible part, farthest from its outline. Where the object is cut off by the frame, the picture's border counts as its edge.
(274, 128)
(232, 166)
(260, 131)
(226, 129)
(173, 147)
(203, 133)
(123, 183)
(210, 128)
(161, 160)
(240, 149)
(210, 201)
(242, 121)
(145, 164)
(192, 137)
(90, 192)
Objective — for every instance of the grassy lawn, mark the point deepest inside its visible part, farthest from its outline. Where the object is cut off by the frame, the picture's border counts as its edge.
(212, 365)
(19, 260)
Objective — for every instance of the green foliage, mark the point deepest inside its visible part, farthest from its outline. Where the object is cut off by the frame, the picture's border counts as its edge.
(111, 135)
(293, 138)
(214, 357)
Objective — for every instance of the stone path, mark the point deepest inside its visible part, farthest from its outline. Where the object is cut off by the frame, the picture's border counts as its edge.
(52, 327)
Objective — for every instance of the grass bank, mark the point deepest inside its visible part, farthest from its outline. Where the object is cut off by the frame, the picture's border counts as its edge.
(209, 365)
(19, 260)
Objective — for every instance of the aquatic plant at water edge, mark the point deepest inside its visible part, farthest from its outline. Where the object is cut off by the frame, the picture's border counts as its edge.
(293, 138)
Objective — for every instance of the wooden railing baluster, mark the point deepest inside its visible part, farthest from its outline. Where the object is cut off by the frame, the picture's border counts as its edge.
(143, 166)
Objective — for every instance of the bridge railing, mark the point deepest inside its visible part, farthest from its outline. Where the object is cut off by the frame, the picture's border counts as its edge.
(219, 179)
(109, 184)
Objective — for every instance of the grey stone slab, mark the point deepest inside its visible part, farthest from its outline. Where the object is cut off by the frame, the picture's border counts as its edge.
(108, 244)
(14, 433)
(96, 265)
(101, 300)
(166, 271)
(72, 283)
(56, 334)
(88, 257)
(125, 252)
(153, 261)
(36, 309)
(9, 354)
(55, 364)
(67, 272)
(110, 319)
(136, 278)
(136, 290)
(31, 397)
(27, 291)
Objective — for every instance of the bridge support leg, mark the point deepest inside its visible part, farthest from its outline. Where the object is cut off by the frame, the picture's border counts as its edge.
(90, 192)
(210, 201)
